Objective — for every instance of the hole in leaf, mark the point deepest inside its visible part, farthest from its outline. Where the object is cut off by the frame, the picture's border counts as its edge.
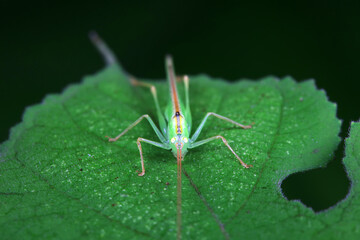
(319, 188)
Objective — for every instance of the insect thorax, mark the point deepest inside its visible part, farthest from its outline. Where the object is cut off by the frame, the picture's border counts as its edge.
(178, 134)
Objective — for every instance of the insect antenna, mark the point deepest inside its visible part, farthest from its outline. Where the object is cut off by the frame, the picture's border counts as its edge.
(178, 205)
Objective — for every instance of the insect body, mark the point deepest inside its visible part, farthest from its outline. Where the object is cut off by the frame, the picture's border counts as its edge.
(175, 123)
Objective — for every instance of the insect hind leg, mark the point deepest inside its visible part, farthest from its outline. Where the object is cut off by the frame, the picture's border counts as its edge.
(103, 49)
(152, 88)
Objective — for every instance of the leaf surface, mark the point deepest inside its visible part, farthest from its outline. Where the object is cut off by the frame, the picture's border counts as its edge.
(61, 178)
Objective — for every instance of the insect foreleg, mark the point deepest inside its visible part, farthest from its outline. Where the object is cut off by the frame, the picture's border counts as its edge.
(199, 143)
(198, 130)
(157, 144)
(158, 133)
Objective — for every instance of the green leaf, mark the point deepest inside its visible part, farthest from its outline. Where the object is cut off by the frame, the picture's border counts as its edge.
(60, 177)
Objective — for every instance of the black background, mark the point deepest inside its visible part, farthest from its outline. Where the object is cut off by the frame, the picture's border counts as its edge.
(44, 47)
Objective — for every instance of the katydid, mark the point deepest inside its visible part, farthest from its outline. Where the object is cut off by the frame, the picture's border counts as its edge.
(175, 122)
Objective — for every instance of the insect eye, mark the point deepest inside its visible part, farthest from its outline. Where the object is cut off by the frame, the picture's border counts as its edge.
(185, 139)
(173, 140)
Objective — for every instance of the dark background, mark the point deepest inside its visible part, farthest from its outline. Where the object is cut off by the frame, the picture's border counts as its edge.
(44, 47)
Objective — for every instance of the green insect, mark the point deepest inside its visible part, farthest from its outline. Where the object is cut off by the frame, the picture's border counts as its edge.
(175, 122)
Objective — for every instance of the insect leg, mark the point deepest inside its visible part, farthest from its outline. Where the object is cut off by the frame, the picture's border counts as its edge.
(103, 49)
(157, 131)
(199, 143)
(198, 130)
(185, 78)
(157, 144)
(187, 102)
(135, 82)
